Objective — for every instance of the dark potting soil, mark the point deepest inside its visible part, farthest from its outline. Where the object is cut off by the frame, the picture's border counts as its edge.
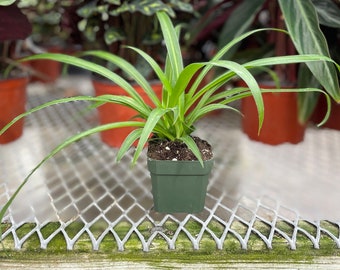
(175, 150)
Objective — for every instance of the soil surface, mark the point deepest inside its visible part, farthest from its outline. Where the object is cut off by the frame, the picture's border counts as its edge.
(176, 150)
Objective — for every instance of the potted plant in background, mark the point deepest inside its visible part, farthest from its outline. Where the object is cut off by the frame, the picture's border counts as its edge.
(281, 125)
(48, 35)
(170, 123)
(14, 26)
(302, 19)
(318, 74)
(330, 26)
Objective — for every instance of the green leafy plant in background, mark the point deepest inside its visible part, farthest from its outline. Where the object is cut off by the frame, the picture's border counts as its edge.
(6, 2)
(112, 25)
(174, 116)
(14, 27)
(46, 17)
(302, 19)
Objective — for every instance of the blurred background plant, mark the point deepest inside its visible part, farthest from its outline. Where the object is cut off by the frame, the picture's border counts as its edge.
(14, 27)
(206, 26)
(111, 24)
(314, 28)
(47, 18)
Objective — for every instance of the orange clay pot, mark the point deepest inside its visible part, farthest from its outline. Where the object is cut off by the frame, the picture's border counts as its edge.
(48, 69)
(12, 103)
(280, 124)
(109, 113)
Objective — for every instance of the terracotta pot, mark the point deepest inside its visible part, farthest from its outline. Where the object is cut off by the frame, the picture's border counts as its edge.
(12, 103)
(109, 113)
(320, 110)
(280, 124)
(48, 69)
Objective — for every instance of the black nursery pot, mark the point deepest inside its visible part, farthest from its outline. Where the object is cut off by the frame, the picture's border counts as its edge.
(179, 186)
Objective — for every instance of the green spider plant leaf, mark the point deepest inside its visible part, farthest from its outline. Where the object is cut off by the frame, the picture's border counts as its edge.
(292, 59)
(93, 67)
(126, 101)
(128, 69)
(182, 82)
(156, 68)
(246, 76)
(127, 143)
(306, 101)
(45, 105)
(219, 55)
(148, 128)
(60, 147)
(189, 141)
(123, 100)
(309, 90)
(174, 53)
(210, 108)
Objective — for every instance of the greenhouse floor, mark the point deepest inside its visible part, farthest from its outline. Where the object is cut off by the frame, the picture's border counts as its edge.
(275, 193)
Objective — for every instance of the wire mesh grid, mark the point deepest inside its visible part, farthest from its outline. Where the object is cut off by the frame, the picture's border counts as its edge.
(82, 192)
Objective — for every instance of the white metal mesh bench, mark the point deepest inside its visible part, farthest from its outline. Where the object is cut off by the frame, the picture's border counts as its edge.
(270, 193)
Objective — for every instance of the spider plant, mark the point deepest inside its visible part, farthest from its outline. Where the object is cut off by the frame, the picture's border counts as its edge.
(173, 116)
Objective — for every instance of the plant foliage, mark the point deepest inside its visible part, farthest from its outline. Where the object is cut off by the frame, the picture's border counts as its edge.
(302, 19)
(182, 104)
(184, 101)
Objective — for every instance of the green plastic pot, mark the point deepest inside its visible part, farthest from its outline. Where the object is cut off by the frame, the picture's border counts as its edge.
(179, 186)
